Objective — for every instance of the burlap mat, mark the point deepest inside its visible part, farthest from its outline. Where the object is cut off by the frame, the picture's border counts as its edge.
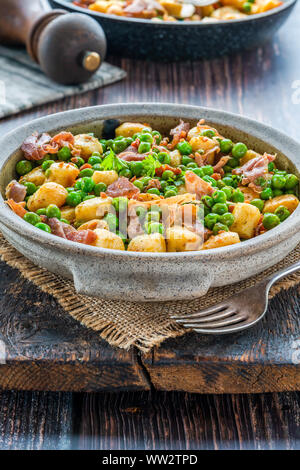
(126, 324)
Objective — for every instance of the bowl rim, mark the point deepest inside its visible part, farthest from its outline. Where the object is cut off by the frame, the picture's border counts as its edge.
(260, 16)
(86, 115)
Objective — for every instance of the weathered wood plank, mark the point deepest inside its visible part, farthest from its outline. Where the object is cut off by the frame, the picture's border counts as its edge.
(181, 421)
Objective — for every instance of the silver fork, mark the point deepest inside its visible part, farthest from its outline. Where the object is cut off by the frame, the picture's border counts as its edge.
(238, 312)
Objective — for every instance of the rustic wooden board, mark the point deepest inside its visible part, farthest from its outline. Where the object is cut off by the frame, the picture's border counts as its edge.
(50, 351)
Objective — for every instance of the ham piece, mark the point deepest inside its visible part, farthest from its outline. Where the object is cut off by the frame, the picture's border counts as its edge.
(196, 185)
(68, 232)
(122, 187)
(254, 169)
(15, 191)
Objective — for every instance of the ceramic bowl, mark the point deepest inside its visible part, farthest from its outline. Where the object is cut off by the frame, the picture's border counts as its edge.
(188, 40)
(149, 276)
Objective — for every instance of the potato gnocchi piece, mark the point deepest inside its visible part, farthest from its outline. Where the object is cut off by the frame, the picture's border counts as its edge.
(152, 243)
(87, 144)
(221, 239)
(107, 239)
(128, 129)
(68, 213)
(289, 201)
(90, 209)
(36, 176)
(62, 173)
(175, 158)
(182, 239)
(246, 219)
(227, 13)
(48, 193)
(106, 177)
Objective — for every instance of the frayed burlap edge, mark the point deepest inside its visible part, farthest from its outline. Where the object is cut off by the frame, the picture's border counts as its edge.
(126, 324)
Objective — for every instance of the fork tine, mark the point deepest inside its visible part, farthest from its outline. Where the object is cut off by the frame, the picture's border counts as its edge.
(202, 313)
(217, 324)
(228, 312)
(225, 329)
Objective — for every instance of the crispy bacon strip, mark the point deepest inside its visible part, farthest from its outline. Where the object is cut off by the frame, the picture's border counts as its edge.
(17, 207)
(33, 146)
(159, 171)
(63, 139)
(68, 232)
(15, 191)
(253, 169)
(122, 187)
(179, 132)
(218, 168)
(196, 185)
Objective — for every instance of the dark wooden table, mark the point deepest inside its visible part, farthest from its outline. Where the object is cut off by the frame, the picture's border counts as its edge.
(263, 84)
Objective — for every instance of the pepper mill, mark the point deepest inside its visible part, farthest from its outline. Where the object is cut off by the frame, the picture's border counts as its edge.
(69, 47)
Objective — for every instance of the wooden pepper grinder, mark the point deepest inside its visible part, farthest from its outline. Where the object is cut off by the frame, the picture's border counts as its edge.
(69, 47)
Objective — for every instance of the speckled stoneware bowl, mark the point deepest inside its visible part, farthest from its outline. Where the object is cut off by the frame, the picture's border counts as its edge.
(149, 276)
(188, 40)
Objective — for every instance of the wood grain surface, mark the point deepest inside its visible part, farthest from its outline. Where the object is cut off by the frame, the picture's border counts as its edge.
(263, 84)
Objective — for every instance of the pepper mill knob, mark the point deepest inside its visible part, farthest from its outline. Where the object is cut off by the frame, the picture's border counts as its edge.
(69, 47)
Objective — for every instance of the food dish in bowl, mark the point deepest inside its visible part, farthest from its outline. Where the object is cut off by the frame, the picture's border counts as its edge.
(184, 40)
(137, 276)
(190, 190)
(175, 10)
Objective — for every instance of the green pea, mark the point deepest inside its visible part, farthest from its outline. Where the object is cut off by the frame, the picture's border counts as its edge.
(270, 221)
(78, 161)
(32, 218)
(290, 191)
(210, 180)
(157, 137)
(87, 184)
(171, 188)
(120, 145)
(218, 227)
(64, 154)
(164, 157)
(170, 193)
(144, 147)
(282, 213)
(237, 196)
(53, 211)
(88, 196)
(247, 7)
(65, 221)
(259, 203)
(141, 211)
(228, 191)
(30, 188)
(153, 216)
(47, 164)
(146, 137)
(120, 203)
(198, 172)
(291, 181)
(125, 172)
(207, 170)
(186, 160)
(278, 181)
(207, 200)
(100, 188)
(192, 165)
(163, 184)
(167, 174)
(86, 172)
(184, 148)
(41, 211)
(227, 219)
(112, 221)
(77, 185)
(220, 208)
(154, 227)
(228, 181)
(233, 162)
(73, 199)
(226, 146)
(219, 196)
(239, 150)
(43, 226)
(97, 167)
(210, 220)
(221, 184)
(266, 194)
(145, 180)
(153, 191)
(139, 184)
(23, 167)
(208, 133)
(277, 192)
(94, 160)
(136, 168)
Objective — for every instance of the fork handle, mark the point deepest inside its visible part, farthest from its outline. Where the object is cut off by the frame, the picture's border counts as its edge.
(282, 273)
